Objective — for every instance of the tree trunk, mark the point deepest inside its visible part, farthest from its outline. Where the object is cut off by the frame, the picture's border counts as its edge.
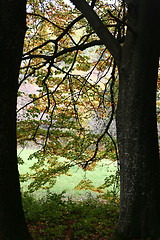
(137, 138)
(12, 31)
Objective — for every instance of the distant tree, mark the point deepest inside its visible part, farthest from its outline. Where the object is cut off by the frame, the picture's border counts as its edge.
(12, 31)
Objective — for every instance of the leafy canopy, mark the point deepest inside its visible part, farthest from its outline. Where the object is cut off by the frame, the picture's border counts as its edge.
(73, 81)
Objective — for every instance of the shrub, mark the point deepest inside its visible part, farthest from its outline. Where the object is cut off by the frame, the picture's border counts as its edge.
(53, 218)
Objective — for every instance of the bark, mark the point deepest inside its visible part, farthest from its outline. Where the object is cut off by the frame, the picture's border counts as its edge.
(12, 29)
(137, 132)
(138, 147)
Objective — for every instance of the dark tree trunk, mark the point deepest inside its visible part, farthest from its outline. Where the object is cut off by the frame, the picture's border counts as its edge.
(137, 133)
(12, 31)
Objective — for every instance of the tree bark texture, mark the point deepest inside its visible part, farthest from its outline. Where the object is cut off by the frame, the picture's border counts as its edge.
(12, 32)
(137, 130)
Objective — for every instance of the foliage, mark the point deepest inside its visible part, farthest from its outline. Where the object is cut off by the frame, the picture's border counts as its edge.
(72, 107)
(70, 111)
(46, 170)
(54, 218)
(47, 167)
(112, 180)
(87, 185)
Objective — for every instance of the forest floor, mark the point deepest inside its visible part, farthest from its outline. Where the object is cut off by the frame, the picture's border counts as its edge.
(54, 218)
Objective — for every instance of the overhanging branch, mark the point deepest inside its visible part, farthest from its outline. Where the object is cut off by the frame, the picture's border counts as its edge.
(101, 30)
(64, 51)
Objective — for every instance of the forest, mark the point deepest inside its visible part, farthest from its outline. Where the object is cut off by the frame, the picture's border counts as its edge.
(79, 102)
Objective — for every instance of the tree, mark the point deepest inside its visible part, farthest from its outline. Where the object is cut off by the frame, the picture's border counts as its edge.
(129, 32)
(137, 60)
(12, 28)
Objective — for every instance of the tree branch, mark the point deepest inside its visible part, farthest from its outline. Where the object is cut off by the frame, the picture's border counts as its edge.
(66, 50)
(101, 30)
(44, 18)
(92, 159)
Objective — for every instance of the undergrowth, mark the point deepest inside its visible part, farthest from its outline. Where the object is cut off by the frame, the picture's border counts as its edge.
(53, 217)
